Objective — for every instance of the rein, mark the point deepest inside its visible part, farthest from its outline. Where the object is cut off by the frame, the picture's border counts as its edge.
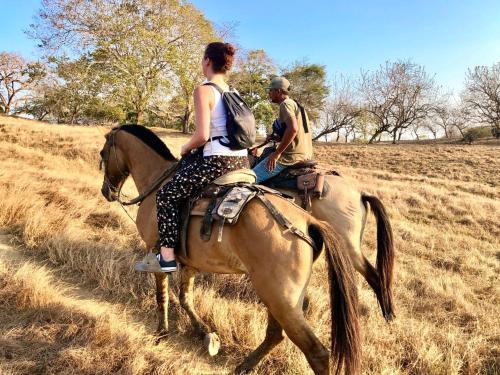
(137, 200)
(156, 184)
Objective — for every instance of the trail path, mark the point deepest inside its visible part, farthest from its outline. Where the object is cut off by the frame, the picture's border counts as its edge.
(53, 291)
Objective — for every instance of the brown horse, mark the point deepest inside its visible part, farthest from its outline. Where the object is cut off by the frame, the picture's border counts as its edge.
(277, 262)
(345, 209)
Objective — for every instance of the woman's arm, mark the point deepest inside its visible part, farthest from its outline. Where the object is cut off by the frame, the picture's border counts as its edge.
(201, 96)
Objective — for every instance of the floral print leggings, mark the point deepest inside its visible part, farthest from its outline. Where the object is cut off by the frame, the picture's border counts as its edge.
(195, 173)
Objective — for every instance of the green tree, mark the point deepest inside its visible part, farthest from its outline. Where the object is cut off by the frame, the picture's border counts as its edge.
(71, 92)
(251, 77)
(131, 43)
(308, 86)
(186, 64)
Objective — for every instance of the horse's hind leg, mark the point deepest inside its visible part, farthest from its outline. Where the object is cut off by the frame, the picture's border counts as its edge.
(162, 303)
(301, 334)
(211, 340)
(287, 310)
(274, 335)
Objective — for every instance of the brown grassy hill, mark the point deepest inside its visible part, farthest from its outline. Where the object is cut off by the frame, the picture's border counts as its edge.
(71, 303)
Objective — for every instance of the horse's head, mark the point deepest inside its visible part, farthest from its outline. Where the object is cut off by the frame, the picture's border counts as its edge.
(115, 169)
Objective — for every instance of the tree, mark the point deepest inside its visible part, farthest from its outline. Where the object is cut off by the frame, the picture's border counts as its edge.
(131, 42)
(341, 109)
(186, 62)
(71, 92)
(308, 86)
(16, 75)
(482, 95)
(431, 126)
(460, 119)
(397, 95)
(43, 99)
(251, 77)
(444, 119)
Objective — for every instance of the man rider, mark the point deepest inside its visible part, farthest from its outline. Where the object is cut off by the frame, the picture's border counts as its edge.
(295, 144)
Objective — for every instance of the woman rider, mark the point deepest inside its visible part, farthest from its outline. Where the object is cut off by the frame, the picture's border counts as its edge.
(203, 159)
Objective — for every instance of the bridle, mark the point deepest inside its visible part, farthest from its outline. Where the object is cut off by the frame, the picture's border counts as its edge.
(137, 200)
(104, 162)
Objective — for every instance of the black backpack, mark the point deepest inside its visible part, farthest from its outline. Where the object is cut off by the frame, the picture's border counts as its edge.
(240, 123)
(279, 128)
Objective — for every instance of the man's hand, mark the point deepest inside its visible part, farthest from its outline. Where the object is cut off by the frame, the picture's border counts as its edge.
(271, 161)
(273, 137)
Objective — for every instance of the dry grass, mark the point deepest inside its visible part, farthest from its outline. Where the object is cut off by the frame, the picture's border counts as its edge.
(70, 302)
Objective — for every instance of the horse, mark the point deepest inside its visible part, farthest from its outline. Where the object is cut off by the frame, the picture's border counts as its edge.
(345, 208)
(278, 263)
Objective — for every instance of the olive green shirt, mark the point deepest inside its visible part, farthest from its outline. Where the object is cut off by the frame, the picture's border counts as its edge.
(301, 147)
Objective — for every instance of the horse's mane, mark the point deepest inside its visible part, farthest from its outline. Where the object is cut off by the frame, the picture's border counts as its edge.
(148, 137)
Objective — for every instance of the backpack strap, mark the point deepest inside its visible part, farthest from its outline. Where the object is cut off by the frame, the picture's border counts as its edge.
(217, 87)
(214, 85)
(303, 114)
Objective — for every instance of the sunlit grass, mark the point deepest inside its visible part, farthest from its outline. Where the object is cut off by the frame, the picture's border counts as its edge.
(71, 297)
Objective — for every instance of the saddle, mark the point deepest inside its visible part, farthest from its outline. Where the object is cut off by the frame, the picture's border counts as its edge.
(223, 201)
(307, 177)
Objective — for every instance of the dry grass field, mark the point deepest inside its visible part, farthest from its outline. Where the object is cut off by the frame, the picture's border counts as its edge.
(70, 302)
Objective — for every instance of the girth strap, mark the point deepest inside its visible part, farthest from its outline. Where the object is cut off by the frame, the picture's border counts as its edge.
(206, 225)
(282, 220)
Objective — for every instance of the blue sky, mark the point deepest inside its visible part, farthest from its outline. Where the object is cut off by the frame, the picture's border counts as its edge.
(446, 37)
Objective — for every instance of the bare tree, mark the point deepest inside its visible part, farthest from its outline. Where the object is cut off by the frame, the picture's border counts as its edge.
(397, 95)
(415, 128)
(482, 95)
(443, 116)
(341, 109)
(431, 126)
(16, 75)
(460, 119)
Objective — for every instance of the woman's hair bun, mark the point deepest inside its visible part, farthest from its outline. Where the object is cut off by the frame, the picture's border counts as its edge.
(221, 55)
(229, 49)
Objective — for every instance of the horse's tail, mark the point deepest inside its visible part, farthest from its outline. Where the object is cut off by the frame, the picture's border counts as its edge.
(385, 254)
(345, 335)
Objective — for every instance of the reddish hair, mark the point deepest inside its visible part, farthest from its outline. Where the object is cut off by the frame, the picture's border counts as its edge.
(221, 55)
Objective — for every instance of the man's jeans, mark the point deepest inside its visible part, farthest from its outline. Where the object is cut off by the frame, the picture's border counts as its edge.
(263, 173)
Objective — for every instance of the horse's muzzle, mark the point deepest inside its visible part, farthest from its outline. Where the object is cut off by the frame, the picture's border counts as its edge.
(107, 193)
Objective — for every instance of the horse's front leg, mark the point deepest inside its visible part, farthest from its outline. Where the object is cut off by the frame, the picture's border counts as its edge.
(162, 304)
(210, 339)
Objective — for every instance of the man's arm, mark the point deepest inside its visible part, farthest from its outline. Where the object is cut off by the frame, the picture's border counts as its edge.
(292, 128)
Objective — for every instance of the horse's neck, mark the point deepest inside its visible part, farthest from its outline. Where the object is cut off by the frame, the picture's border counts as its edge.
(144, 164)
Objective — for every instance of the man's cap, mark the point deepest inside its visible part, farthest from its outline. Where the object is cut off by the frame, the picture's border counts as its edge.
(279, 83)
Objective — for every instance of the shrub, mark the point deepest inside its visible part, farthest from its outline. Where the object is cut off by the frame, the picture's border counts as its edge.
(473, 134)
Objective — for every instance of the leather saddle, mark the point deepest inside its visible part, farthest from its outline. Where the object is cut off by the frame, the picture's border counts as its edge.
(307, 177)
(222, 202)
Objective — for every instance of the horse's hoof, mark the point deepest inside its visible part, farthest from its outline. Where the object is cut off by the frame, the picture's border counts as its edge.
(389, 317)
(212, 343)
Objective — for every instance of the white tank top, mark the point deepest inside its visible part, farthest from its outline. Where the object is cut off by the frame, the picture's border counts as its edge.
(218, 129)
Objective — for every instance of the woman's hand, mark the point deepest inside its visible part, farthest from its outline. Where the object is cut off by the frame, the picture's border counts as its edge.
(185, 150)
